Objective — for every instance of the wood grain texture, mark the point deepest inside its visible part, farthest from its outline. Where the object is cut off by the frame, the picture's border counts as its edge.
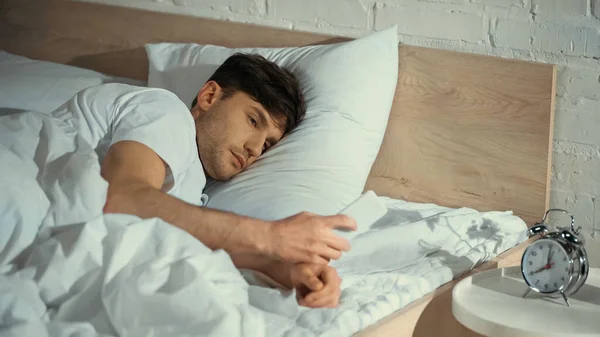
(469, 130)
(465, 130)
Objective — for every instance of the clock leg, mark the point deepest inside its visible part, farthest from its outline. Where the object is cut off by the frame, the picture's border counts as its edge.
(527, 292)
(565, 298)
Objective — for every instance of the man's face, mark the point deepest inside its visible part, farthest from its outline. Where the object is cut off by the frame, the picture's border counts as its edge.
(232, 132)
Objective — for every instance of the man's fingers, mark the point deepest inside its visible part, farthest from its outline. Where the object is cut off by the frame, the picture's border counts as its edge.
(331, 254)
(325, 291)
(340, 221)
(309, 277)
(313, 283)
(326, 300)
(337, 242)
(317, 259)
(329, 294)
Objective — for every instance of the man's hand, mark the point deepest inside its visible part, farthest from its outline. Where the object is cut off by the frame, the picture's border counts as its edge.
(317, 285)
(308, 238)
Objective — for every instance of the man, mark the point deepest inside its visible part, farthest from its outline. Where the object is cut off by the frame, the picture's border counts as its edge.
(156, 155)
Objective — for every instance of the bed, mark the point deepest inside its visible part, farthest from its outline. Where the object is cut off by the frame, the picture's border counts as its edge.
(465, 130)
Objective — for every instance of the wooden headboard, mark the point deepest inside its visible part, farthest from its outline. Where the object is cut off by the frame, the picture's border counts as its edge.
(465, 130)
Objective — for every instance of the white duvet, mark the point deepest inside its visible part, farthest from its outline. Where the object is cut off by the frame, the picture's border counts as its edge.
(68, 270)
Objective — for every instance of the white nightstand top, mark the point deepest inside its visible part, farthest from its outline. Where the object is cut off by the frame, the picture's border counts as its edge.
(491, 304)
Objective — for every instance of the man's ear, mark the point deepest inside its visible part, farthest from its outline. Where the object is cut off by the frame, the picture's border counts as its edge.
(207, 96)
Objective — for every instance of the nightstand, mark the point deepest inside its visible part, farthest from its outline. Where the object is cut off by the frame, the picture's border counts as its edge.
(491, 303)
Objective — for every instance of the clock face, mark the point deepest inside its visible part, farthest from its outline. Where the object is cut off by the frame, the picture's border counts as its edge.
(546, 266)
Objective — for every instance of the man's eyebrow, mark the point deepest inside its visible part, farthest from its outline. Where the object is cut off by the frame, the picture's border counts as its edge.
(263, 122)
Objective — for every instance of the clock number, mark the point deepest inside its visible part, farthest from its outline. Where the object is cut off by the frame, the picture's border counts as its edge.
(555, 285)
(530, 263)
(537, 281)
(534, 253)
(562, 278)
(565, 259)
(546, 286)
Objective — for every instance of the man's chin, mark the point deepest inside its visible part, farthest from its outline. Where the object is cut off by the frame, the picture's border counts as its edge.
(220, 176)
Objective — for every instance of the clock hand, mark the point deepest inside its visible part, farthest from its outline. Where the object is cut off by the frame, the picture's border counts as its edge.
(550, 253)
(537, 271)
(547, 266)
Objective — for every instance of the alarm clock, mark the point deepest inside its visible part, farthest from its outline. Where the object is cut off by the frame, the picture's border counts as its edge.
(556, 263)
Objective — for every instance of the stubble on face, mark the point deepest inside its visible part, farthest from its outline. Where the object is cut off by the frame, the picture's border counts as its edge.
(212, 137)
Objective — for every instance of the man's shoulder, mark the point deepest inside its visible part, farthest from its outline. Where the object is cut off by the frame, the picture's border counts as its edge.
(130, 90)
(127, 98)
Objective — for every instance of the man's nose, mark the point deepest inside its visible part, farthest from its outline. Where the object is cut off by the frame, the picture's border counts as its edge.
(254, 148)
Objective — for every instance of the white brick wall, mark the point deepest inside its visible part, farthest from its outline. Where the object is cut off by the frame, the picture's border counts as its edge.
(563, 7)
(452, 25)
(593, 41)
(561, 38)
(354, 14)
(584, 82)
(513, 34)
(502, 3)
(562, 32)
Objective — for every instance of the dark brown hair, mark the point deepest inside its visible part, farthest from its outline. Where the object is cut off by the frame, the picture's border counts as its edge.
(275, 88)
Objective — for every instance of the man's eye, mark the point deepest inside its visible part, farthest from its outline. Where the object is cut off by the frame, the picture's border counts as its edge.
(253, 121)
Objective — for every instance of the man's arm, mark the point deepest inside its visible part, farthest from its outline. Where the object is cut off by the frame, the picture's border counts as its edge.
(135, 175)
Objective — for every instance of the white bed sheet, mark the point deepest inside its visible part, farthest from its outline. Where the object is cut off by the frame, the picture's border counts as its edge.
(117, 275)
(78, 272)
(407, 254)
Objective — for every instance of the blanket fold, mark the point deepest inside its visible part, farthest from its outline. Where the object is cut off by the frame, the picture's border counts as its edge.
(67, 269)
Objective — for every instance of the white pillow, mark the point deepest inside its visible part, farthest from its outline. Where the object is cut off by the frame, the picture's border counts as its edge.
(44, 86)
(322, 165)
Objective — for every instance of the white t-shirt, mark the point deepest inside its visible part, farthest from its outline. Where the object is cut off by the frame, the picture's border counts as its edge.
(108, 113)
